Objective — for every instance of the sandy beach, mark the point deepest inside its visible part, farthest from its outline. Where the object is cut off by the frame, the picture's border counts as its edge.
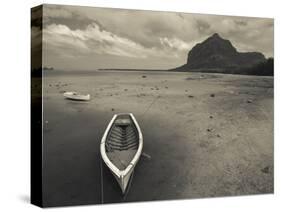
(205, 135)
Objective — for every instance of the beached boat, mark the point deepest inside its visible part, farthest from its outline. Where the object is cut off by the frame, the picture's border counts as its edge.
(76, 96)
(121, 147)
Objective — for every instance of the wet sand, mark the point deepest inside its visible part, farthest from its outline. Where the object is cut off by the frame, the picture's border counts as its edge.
(207, 135)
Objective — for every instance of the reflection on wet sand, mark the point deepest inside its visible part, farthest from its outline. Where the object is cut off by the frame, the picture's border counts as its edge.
(205, 135)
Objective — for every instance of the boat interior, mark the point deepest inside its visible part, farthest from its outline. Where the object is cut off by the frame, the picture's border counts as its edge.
(122, 141)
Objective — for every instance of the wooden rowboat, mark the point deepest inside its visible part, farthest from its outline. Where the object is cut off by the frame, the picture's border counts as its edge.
(76, 96)
(121, 147)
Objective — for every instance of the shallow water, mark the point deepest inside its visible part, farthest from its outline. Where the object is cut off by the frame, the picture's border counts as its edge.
(186, 159)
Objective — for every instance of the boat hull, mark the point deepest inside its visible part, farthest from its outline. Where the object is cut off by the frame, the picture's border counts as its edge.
(124, 180)
(121, 174)
(76, 97)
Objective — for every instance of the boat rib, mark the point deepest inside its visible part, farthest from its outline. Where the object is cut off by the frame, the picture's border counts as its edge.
(121, 147)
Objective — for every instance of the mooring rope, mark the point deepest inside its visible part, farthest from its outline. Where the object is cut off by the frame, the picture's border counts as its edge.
(154, 100)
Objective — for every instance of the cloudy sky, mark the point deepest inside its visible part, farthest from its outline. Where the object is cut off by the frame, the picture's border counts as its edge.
(87, 38)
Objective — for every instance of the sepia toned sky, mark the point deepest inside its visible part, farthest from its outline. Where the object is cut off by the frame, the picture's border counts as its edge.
(88, 38)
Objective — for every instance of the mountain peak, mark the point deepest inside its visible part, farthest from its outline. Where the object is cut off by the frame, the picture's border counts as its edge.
(217, 52)
(216, 35)
(217, 38)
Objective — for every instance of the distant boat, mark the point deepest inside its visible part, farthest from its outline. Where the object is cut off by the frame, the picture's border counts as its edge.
(77, 96)
(121, 147)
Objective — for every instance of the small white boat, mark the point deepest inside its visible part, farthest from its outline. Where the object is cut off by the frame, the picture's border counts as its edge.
(121, 147)
(76, 96)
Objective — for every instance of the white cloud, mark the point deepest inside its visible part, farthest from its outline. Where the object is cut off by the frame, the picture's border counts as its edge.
(175, 43)
(95, 40)
(60, 36)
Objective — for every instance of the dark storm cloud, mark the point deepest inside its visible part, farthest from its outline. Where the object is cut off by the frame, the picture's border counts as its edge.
(78, 24)
(203, 26)
(64, 16)
(145, 35)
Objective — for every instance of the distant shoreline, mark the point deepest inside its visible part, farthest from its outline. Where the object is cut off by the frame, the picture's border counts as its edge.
(128, 69)
(202, 71)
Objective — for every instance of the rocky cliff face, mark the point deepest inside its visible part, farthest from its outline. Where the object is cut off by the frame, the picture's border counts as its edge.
(219, 54)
